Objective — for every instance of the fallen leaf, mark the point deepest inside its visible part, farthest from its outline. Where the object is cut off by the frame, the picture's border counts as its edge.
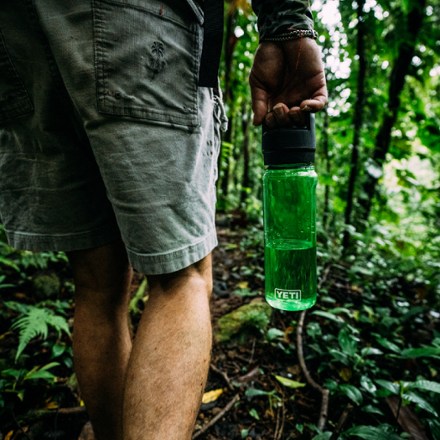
(243, 285)
(289, 383)
(52, 405)
(212, 396)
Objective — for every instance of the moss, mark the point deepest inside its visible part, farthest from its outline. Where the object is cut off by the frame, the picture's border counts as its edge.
(46, 285)
(251, 317)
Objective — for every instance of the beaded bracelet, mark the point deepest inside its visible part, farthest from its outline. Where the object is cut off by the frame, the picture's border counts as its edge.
(293, 35)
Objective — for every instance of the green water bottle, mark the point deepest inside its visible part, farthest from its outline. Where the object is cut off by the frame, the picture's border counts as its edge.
(289, 200)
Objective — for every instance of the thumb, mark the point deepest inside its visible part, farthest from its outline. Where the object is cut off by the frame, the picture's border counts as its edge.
(315, 104)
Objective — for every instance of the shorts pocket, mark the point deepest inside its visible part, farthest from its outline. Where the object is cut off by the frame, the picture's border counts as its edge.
(14, 98)
(147, 58)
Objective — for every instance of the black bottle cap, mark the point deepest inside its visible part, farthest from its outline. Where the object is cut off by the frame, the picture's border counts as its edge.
(289, 145)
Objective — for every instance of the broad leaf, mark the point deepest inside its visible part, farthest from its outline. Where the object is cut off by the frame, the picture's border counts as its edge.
(370, 433)
(421, 402)
(426, 385)
(353, 393)
(411, 353)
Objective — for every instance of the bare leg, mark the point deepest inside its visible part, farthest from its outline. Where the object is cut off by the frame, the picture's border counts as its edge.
(102, 341)
(170, 358)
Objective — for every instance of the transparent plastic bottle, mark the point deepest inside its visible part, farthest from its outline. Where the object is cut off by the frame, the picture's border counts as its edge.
(289, 200)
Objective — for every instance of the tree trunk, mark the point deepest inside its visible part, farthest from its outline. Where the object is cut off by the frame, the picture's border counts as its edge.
(245, 181)
(409, 30)
(230, 43)
(357, 122)
(325, 149)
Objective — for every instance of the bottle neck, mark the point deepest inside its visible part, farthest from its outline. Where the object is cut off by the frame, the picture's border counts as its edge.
(294, 166)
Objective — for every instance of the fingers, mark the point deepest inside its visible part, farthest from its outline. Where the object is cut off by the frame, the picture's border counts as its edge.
(282, 116)
(279, 116)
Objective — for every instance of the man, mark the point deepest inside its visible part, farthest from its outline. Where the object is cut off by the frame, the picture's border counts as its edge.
(108, 150)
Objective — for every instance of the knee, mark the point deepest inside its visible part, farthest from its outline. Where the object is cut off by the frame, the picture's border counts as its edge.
(104, 270)
(196, 278)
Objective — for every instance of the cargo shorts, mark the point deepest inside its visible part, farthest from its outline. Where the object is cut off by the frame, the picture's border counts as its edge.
(104, 131)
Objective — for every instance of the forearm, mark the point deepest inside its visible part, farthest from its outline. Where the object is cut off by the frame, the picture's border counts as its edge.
(278, 17)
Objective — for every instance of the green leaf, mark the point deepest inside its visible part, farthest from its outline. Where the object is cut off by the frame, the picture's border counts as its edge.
(9, 263)
(411, 353)
(138, 297)
(60, 324)
(368, 384)
(255, 392)
(420, 402)
(323, 436)
(41, 372)
(12, 372)
(35, 323)
(58, 350)
(388, 344)
(341, 310)
(340, 356)
(371, 351)
(372, 410)
(426, 385)
(434, 427)
(392, 387)
(274, 333)
(289, 383)
(370, 433)
(254, 413)
(352, 393)
(244, 433)
(329, 316)
(348, 342)
(17, 306)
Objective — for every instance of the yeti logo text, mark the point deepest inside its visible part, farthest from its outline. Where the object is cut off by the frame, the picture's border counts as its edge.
(288, 294)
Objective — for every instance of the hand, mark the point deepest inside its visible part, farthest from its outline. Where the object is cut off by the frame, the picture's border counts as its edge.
(287, 79)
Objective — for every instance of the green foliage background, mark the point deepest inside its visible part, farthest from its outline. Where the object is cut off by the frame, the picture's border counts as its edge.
(403, 222)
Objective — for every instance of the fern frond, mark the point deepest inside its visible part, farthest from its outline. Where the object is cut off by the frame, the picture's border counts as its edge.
(59, 323)
(35, 323)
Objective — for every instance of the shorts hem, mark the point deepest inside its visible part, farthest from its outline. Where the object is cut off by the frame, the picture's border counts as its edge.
(157, 264)
(62, 242)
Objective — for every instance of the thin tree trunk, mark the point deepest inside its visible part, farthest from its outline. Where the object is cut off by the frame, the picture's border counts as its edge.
(245, 181)
(357, 122)
(325, 149)
(409, 31)
(230, 43)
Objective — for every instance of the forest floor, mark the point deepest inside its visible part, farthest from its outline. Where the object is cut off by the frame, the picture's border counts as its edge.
(258, 387)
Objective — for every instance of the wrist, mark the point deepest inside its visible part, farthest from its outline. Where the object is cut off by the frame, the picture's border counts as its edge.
(276, 17)
(291, 34)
